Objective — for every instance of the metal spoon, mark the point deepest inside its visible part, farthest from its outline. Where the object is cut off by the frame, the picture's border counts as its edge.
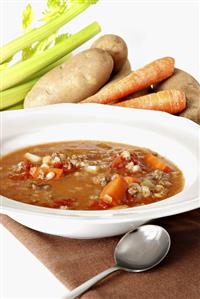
(139, 250)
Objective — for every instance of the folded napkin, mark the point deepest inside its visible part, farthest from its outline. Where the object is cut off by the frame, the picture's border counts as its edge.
(74, 261)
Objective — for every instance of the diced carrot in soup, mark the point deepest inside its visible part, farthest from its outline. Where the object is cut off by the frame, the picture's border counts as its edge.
(115, 191)
(156, 163)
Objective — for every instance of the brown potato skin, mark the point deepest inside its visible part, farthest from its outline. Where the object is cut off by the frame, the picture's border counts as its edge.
(185, 82)
(73, 81)
(116, 46)
(123, 72)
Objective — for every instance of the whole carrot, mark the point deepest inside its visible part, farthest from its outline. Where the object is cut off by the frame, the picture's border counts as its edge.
(156, 71)
(171, 101)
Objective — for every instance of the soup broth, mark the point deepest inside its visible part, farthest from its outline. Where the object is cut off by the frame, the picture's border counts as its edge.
(88, 175)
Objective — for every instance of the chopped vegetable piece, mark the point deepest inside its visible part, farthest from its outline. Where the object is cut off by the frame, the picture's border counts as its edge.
(118, 162)
(58, 173)
(44, 173)
(130, 179)
(69, 202)
(19, 176)
(33, 158)
(115, 191)
(156, 163)
(120, 207)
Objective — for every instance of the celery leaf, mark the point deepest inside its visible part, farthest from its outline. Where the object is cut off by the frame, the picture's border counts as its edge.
(61, 38)
(27, 20)
(44, 44)
(27, 17)
(56, 3)
(83, 1)
(54, 9)
(27, 53)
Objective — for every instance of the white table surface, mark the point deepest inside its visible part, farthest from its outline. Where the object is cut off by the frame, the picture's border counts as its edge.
(152, 29)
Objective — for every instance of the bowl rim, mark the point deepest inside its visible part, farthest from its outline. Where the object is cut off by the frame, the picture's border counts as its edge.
(150, 211)
(154, 210)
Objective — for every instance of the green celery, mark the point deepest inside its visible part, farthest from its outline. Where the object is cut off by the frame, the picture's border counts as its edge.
(17, 106)
(51, 66)
(42, 32)
(25, 69)
(16, 94)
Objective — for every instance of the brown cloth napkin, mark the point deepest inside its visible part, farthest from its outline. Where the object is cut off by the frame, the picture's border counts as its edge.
(74, 261)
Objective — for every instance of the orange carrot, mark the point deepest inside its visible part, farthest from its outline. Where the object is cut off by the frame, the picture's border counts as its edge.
(171, 101)
(156, 163)
(35, 172)
(156, 71)
(114, 192)
(58, 172)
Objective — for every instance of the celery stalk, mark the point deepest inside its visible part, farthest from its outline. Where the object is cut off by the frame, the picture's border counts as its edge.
(17, 106)
(51, 66)
(42, 32)
(19, 72)
(16, 94)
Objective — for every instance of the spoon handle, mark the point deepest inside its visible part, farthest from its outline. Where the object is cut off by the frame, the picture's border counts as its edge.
(89, 283)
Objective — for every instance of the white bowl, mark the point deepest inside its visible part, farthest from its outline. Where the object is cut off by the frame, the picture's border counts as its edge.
(173, 137)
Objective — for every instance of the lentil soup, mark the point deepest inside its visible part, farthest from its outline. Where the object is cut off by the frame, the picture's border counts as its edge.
(88, 175)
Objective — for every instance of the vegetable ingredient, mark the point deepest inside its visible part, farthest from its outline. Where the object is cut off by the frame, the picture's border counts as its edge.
(19, 72)
(185, 82)
(152, 73)
(16, 94)
(73, 81)
(54, 9)
(115, 191)
(156, 163)
(49, 174)
(138, 94)
(115, 46)
(171, 101)
(17, 106)
(42, 32)
(125, 70)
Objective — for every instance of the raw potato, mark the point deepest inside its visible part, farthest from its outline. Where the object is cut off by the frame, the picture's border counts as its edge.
(125, 70)
(116, 46)
(183, 81)
(72, 81)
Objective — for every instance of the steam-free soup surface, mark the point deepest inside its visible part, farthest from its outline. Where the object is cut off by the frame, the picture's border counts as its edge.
(88, 175)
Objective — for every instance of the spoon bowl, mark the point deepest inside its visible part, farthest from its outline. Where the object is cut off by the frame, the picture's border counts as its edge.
(143, 248)
(139, 250)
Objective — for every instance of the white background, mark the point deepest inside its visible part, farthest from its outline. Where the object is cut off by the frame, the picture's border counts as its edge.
(152, 29)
